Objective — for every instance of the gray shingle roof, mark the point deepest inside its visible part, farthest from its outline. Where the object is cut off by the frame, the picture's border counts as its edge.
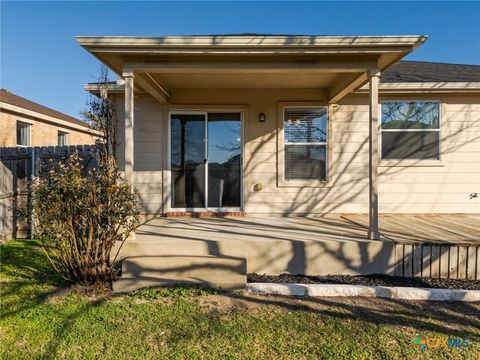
(421, 71)
(12, 99)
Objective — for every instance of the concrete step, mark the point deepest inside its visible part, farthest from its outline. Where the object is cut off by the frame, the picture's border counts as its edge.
(221, 272)
(172, 247)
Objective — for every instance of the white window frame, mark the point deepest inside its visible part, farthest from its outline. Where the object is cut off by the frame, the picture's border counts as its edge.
(411, 162)
(29, 126)
(66, 136)
(281, 181)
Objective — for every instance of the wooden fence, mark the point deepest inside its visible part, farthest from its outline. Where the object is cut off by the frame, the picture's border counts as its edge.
(19, 166)
(449, 261)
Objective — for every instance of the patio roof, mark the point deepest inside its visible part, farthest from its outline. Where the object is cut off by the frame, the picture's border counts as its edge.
(335, 65)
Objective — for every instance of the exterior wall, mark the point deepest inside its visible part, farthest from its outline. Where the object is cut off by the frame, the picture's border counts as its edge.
(418, 188)
(42, 133)
(150, 136)
(446, 187)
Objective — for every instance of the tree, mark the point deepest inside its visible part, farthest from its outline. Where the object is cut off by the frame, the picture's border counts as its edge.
(101, 114)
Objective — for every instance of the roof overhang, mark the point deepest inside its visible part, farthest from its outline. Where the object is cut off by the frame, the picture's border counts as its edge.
(336, 65)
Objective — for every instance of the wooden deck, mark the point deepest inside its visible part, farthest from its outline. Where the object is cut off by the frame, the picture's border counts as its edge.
(415, 229)
(438, 246)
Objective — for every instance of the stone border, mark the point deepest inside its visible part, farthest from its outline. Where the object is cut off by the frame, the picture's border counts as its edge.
(327, 290)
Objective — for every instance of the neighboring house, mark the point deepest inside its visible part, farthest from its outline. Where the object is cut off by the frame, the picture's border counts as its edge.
(26, 123)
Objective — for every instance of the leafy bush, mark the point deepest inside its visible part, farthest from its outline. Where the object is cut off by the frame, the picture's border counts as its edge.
(81, 215)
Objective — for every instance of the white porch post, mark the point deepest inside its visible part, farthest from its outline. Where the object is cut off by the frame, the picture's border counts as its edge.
(129, 111)
(373, 153)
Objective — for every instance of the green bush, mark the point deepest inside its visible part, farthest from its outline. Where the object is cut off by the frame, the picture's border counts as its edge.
(81, 215)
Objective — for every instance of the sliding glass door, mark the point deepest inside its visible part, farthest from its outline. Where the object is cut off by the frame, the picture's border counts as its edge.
(188, 160)
(206, 161)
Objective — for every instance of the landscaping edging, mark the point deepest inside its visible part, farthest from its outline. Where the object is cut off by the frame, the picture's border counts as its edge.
(328, 290)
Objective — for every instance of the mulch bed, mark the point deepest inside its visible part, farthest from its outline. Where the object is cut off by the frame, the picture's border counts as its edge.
(367, 280)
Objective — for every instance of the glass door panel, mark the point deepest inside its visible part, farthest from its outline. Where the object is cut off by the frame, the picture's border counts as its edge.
(188, 160)
(224, 160)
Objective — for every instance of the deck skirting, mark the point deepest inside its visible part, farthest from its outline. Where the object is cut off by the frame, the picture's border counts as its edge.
(449, 261)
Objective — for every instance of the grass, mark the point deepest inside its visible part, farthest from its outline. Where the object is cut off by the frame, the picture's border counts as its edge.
(43, 318)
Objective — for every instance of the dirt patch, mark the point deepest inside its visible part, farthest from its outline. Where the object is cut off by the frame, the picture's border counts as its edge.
(228, 302)
(367, 280)
(454, 315)
(95, 292)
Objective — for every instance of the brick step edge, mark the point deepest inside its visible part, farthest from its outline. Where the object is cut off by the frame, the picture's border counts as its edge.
(329, 290)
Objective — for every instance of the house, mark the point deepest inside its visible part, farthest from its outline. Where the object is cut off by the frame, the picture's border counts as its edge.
(26, 123)
(285, 126)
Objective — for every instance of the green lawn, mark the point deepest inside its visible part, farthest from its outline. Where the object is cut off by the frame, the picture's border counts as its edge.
(41, 318)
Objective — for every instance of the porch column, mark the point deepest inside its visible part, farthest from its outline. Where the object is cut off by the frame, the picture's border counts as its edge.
(129, 111)
(373, 155)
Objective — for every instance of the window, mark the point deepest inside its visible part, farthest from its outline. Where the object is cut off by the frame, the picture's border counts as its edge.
(305, 141)
(62, 138)
(410, 130)
(23, 134)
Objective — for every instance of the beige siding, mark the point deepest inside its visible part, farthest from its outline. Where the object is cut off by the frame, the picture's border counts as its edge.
(42, 133)
(403, 189)
(149, 134)
(443, 189)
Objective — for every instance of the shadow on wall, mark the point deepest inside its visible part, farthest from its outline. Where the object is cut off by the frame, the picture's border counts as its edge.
(306, 200)
(349, 174)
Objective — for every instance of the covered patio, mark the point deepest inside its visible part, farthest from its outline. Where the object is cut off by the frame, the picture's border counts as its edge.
(178, 71)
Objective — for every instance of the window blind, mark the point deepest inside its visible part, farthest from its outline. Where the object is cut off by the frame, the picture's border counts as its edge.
(305, 143)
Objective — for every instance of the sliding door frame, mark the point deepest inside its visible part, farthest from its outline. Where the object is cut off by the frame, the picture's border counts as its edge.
(185, 110)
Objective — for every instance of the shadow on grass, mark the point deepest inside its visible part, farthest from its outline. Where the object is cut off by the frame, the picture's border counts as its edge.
(26, 259)
(30, 281)
(27, 277)
(451, 319)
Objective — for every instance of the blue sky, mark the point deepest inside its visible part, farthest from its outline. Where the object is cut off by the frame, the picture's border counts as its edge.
(40, 59)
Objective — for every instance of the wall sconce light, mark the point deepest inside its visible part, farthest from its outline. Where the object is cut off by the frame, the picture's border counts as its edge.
(261, 117)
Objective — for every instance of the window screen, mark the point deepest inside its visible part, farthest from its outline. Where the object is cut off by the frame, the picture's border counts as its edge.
(410, 130)
(23, 134)
(305, 141)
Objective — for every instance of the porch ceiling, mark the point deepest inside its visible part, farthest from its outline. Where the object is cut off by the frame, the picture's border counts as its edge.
(336, 64)
(245, 81)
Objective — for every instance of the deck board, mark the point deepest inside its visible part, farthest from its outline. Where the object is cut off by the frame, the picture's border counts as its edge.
(422, 229)
(452, 232)
(464, 225)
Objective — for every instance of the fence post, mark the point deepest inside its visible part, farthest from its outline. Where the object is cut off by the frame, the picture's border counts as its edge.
(32, 193)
